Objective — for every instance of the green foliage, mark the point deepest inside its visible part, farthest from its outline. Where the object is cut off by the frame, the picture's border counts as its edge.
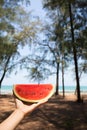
(62, 27)
(71, 21)
(17, 29)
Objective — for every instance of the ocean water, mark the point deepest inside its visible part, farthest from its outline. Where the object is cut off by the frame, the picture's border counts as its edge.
(7, 89)
(73, 88)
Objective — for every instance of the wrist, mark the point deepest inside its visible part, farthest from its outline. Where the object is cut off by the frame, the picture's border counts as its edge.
(20, 112)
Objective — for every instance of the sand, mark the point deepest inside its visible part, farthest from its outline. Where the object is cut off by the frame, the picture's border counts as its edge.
(57, 114)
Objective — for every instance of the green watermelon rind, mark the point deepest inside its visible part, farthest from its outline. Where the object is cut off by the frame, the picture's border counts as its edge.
(33, 101)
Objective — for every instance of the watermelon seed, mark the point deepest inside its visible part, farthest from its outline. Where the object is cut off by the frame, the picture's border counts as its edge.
(48, 88)
(19, 91)
(41, 93)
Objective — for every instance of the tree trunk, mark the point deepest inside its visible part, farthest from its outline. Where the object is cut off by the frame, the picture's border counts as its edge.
(0, 88)
(63, 78)
(57, 80)
(75, 55)
(5, 70)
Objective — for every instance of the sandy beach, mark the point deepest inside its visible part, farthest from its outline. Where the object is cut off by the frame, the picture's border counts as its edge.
(56, 114)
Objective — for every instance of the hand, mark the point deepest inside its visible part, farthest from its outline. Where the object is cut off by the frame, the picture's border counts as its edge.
(27, 108)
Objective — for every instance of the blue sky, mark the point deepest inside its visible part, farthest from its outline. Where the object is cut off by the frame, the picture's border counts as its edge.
(36, 7)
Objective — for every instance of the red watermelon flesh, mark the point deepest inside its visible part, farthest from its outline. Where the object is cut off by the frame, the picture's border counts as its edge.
(33, 92)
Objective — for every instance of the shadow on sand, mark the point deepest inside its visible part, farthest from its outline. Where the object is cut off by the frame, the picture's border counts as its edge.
(56, 114)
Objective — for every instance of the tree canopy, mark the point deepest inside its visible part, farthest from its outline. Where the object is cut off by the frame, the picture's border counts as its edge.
(15, 31)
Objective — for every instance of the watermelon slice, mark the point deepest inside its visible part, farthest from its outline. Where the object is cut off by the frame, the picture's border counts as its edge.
(33, 92)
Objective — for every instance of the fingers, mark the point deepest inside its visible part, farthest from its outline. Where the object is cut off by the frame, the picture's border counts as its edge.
(42, 102)
(28, 106)
(35, 105)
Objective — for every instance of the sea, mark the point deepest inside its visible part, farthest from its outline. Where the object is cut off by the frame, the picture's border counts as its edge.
(7, 89)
